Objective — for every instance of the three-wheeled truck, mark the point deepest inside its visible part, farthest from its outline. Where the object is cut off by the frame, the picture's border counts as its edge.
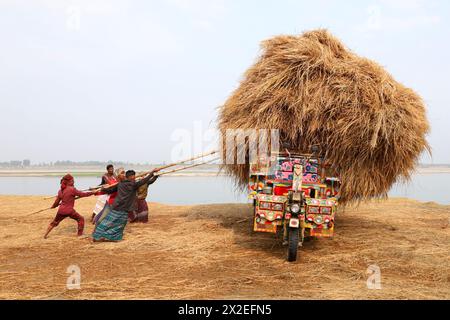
(293, 194)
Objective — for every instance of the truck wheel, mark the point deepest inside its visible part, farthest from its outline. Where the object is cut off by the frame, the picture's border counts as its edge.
(294, 234)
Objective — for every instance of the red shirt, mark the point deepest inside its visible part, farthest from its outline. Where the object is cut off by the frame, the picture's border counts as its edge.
(111, 181)
(67, 199)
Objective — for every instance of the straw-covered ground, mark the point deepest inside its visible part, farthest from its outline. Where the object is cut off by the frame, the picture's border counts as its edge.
(209, 252)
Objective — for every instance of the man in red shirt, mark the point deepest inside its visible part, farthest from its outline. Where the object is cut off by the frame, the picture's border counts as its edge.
(66, 202)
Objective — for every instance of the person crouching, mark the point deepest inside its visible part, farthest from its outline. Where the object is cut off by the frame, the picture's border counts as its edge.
(66, 202)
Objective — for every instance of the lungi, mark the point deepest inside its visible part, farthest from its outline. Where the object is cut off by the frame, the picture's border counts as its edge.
(111, 227)
(141, 212)
(102, 214)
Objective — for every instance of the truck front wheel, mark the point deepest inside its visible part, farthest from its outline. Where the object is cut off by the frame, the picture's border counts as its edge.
(294, 235)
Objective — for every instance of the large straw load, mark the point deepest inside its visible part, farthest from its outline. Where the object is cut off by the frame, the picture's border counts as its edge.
(369, 127)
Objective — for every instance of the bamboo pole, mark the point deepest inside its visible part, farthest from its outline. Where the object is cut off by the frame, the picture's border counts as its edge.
(186, 167)
(191, 159)
(42, 210)
(160, 168)
(146, 173)
(98, 188)
(157, 174)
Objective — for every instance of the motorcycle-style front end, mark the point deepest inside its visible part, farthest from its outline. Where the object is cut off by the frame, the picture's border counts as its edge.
(293, 232)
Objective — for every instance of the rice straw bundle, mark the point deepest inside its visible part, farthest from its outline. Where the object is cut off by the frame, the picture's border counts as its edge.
(369, 127)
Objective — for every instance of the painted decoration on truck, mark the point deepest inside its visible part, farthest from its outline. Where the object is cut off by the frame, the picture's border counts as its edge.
(310, 178)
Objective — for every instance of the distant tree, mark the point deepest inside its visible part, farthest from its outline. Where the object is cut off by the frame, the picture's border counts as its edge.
(26, 163)
(15, 163)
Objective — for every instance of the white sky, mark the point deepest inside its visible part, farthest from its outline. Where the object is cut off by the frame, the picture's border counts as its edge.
(99, 80)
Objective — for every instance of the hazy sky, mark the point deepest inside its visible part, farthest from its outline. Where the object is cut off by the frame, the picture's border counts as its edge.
(112, 79)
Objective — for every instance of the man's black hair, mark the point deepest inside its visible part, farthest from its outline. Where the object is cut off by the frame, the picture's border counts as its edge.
(130, 173)
(109, 166)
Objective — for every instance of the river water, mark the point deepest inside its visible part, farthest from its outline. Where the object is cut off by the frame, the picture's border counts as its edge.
(217, 189)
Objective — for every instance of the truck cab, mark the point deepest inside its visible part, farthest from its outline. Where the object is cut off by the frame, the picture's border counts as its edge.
(295, 194)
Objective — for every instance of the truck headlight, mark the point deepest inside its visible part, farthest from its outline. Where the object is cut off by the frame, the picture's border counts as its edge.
(295, 208)
(318, 219)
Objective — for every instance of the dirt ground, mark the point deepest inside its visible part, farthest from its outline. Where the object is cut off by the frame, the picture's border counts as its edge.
(209, 252)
